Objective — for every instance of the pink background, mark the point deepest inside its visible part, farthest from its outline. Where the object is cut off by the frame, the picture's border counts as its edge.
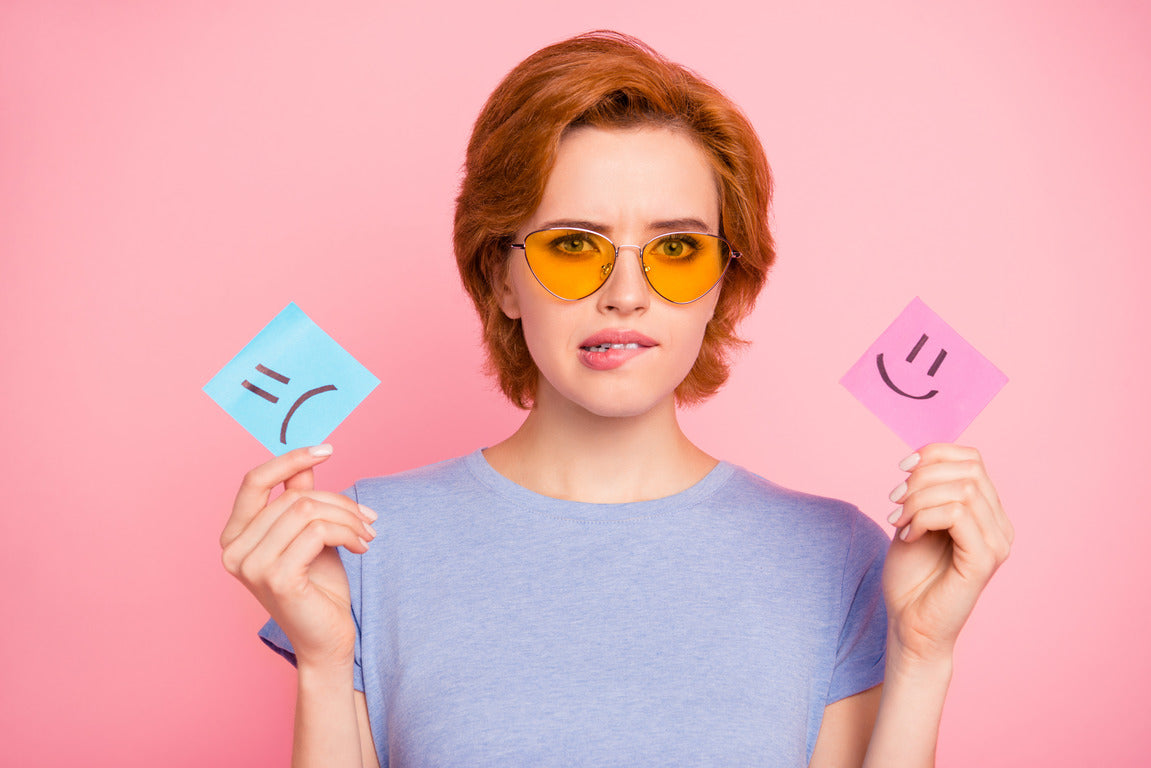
(171, 175)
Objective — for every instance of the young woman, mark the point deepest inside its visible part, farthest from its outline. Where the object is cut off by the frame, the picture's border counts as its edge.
(595, 589)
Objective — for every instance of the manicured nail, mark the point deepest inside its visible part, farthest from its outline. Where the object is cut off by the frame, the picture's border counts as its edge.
(368, 512)
(895, 516)
(903, 534)
(321, 450)
(897, 494)
(363, 543)
(909, 462)
(370, 530)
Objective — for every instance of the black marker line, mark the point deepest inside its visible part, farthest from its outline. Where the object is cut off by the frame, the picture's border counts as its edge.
(269, 372)
(938, 362)
(891, 384)
(297, 404)
(253, 388)
(918, 346)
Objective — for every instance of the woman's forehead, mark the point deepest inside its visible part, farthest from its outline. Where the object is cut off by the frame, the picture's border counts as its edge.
(630, 177)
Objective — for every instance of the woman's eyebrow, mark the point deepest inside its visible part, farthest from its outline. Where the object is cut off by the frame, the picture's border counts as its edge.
(688, 224)
(681, 225)
(574, 224)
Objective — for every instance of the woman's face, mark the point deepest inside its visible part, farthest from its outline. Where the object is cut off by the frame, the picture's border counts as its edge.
(630, 185)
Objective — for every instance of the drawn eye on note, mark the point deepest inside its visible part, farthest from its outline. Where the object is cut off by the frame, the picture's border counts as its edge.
(923, 379)
(292, 384)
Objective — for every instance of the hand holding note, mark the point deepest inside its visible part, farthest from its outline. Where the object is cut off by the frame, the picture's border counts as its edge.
(283, 551)
(927, 383)
(953, 534)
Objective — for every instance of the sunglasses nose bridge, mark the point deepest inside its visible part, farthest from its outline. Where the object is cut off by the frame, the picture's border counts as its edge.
(637, 248)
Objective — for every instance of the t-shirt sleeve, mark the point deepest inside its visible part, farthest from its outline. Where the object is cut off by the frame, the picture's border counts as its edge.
(859, 660)
(274, 637)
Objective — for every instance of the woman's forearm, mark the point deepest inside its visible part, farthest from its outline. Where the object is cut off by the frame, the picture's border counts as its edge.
(910, 710)
(327, 732)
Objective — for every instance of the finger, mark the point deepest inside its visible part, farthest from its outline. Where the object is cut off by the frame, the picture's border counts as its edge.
(288, 573)
(240, 548)
(264, 564)
(942, 452)
(977, 551)
(307, 510)
(964, 496)
(936, 452)
(942, 462)
(257, 485)
(963, 491)
(304, 480)
(942, 473)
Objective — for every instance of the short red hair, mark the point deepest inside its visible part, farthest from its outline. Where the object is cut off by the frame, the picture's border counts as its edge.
(605, 80)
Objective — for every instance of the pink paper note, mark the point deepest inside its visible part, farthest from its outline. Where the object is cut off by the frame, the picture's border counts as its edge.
(922, 379)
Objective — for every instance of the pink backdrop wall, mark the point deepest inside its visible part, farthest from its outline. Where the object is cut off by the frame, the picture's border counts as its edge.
(171, 175)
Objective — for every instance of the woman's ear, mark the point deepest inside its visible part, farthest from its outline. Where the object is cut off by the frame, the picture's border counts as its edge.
(505, 290)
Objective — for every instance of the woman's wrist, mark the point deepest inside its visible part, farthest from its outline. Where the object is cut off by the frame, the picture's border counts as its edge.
(327, 674)
(920, 672)
(917, 656)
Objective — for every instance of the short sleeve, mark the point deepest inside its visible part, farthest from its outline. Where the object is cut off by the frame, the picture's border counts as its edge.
(859, 660)
(274, 637)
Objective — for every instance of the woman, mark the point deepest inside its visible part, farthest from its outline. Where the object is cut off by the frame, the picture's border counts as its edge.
(595, 589)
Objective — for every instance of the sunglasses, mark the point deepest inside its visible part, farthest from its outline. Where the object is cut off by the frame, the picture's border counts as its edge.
(574, 263)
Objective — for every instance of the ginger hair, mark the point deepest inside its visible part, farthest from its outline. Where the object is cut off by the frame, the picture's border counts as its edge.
(606, 80)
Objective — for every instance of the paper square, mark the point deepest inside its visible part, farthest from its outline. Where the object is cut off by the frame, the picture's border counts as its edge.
(292, 384)
(922, 379)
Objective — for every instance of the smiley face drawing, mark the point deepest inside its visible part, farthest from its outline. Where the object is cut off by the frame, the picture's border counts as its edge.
(910, 359)
(902, 379)
(273, 399)
(292, 384)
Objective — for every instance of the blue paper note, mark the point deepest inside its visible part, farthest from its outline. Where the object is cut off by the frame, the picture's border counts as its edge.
(292, 384)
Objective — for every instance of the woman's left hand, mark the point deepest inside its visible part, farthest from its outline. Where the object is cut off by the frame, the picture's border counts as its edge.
(952, 535)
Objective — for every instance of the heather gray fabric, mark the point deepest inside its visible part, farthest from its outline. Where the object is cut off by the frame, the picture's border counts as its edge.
(501, 627)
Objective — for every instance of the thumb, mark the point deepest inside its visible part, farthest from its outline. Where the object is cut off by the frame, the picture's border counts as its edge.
(304, 480)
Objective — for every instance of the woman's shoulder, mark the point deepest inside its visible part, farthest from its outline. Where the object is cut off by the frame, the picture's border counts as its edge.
(816, 515)
(449, 477)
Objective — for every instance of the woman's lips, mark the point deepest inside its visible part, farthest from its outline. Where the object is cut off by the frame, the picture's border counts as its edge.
(610, 349)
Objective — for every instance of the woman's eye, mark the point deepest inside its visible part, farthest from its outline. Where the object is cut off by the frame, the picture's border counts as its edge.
(573, 244)
(675, 248)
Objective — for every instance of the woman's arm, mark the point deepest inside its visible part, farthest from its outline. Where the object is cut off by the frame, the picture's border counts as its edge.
(331, 721)
(952, 536)
(846, 730)
(910, 710)
(283, 551)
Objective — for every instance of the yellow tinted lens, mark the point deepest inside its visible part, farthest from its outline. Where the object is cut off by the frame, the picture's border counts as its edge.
(571, 263)
(683, 266)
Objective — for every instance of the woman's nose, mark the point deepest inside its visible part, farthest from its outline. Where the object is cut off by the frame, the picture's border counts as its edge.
(626, 289)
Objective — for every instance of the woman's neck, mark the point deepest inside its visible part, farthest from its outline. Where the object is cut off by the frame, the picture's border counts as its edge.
(564, 451)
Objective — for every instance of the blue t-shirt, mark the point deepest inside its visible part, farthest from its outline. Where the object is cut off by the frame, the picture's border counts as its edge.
(497, 626)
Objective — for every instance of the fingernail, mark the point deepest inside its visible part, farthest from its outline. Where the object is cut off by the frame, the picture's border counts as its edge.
(909, 462)
(362, 542)
(897, 494)
(903, 534)
(321, 450)
(895, 515)
(368, 512)
(370, 530)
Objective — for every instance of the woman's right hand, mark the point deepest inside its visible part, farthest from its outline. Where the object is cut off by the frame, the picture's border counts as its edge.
(283, 551)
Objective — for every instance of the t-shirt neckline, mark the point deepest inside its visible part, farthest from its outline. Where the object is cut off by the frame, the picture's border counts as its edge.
(525, 498)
